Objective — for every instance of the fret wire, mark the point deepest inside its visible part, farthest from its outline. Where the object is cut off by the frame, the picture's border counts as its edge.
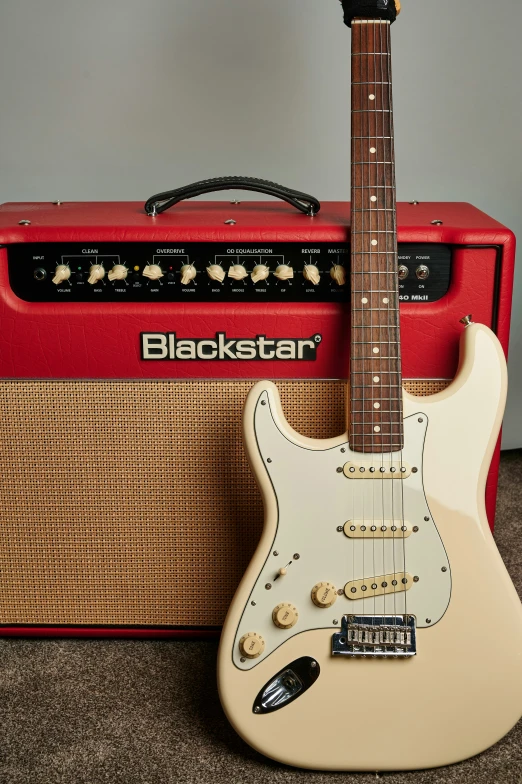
(373, 310)
(372, 137)
(355, 83)
(367, 54)
(374, 163)
(371, 111)
(376, 209)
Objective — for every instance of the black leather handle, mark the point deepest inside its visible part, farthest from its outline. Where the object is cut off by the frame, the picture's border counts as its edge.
(163, 201)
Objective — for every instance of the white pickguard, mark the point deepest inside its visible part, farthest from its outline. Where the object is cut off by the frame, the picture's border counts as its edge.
(314, 499)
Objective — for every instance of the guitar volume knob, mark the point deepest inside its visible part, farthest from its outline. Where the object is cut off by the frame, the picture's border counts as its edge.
(251, 645)
(324, 595)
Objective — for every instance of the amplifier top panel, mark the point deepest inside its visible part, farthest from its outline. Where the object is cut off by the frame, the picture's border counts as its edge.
(445, 222)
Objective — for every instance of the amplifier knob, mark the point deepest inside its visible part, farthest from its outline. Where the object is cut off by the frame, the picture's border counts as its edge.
(312, 274)
(324, 594)
(153, 272)
(403, 272)
(237, 272)
(96, 273)
(216, 272)
(423, 272)
(284, 272)
(338, 273)
(62, 273)
(118, 272)
(260, 273)
(251, 645)
(188, 273)
(285, 615)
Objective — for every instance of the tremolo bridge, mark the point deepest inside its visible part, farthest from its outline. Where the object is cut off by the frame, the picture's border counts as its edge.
(391, 636)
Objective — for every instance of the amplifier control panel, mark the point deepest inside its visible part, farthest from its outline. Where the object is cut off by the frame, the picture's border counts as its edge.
(211, 272)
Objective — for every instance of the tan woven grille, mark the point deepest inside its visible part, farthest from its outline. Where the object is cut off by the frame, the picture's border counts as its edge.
(131, 503)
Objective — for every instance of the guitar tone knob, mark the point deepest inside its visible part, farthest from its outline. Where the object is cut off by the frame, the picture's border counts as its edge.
(61, 274)
(324, 595)
(312, 274)
(237, 272)
(251, 645)
(260, 273)
(285, 615)
(338, 274)
(284, 272)
(153, 272)
(96, 273)
(216, 273)
(118, 272)
(188, 273)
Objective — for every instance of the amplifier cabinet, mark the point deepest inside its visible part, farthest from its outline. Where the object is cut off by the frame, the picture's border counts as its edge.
(128, 346)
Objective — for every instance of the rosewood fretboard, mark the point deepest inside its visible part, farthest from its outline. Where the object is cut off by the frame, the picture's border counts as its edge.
(376, 383)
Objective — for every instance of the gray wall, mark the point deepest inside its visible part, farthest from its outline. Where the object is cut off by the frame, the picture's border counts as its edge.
(116, 99)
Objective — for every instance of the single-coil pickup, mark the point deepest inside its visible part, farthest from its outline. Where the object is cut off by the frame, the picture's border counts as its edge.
(377, 529)
(386, 470)
(378, 586)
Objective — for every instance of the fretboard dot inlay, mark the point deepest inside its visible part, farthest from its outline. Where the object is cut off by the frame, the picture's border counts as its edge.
(376, 405)
(364, 301)
(376, 350)
(374, 242)
(386, 300)
(372, 97)
(373, 150)
(377, 429)
(373, 198)
(376, 379)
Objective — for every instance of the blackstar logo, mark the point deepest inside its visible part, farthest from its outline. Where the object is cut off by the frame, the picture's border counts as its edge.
(167, 346)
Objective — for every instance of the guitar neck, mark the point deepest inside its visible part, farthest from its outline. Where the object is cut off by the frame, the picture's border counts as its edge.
(376, 421)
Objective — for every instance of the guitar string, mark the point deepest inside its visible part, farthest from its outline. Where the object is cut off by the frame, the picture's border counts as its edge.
(380, 153)
(361, 28)
(398, 344)
(399, 348)
(353, 395)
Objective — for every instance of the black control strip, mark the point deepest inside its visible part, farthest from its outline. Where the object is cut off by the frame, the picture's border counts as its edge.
(146, 272)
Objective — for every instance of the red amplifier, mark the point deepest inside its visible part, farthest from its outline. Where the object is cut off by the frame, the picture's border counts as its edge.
(129, 344)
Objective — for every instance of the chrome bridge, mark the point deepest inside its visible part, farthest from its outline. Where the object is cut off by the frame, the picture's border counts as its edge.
(382, 636)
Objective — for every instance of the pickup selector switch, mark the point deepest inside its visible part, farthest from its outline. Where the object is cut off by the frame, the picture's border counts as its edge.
(237, 272)
(96, 273)
(324, 595)
(251, 645)
(422, 272)
(188, 273)
(118, 272)
(285, 615)
(61, 274)
(216, 273)
(284, 272)
(338, 274)
(312, 274)
(260, 273)
(153, 272)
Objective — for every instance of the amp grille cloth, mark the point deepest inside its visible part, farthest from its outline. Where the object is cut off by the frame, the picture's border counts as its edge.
(131, 503)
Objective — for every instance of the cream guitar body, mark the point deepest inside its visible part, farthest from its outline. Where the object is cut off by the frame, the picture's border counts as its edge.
(376, 627)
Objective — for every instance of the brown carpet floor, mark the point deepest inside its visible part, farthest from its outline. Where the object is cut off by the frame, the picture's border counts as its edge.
(148, 712)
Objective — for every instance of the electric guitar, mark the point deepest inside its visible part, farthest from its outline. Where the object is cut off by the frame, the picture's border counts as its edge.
(376, 627)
